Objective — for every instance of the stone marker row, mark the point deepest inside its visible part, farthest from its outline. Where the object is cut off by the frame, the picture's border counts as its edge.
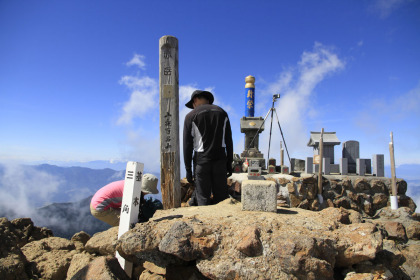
(362, 166)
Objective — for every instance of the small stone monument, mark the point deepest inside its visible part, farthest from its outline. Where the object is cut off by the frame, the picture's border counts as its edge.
(297, 165)
(259, 195)
(351, 153)
(309, 168)
(378, 165)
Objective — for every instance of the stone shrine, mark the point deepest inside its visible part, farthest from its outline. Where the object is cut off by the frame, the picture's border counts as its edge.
(329, 139)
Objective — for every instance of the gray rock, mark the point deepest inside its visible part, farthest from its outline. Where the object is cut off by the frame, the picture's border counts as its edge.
(50, 257)
(104, 268)
(103, 243)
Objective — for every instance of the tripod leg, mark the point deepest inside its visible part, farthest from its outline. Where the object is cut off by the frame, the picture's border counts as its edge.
(281, 131)
(269, 140)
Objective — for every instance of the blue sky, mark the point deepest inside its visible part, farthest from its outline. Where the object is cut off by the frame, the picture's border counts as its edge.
(79, 79)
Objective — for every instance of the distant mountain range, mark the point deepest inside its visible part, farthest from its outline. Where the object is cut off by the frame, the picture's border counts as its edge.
(66, 219)
(95, 164)
(55, 197)
(45, 183)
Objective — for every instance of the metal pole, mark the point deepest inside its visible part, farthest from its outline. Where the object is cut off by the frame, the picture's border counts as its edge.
(281, 153)
(169, 122)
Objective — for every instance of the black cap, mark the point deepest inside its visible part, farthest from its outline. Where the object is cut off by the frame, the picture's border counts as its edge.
(200, 93)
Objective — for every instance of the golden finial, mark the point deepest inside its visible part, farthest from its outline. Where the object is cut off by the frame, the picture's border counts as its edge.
(250, 80)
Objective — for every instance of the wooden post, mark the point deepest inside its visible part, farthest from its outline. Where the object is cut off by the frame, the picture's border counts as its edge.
(394, 199)
(169, 122)
(281, 154)
(130, 206)
(321, 146)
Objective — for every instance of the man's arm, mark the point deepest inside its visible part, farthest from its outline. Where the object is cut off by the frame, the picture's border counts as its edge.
(188, 146)
(229, 146)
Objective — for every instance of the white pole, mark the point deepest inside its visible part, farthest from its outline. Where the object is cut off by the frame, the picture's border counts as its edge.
(394, 198)
(130, 205)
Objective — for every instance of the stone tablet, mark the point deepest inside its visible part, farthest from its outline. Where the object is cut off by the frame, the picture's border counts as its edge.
(344, 166)
(351, 153)
(378, 165)
(360, 166)
(259, 195)
(309, 165)
(334, 168)
(297, 165)
(368, 164)
(326, 166)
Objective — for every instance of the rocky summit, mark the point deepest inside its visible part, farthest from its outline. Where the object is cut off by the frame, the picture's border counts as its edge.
(224, 242)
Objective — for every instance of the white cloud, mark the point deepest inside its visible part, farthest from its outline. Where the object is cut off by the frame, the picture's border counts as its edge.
(296, 86)
(137, 60)
(143, 98)
(385, 7)
(22, 188)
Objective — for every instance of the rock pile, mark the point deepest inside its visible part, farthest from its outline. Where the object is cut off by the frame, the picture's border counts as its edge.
(362, 194)
(223, 242)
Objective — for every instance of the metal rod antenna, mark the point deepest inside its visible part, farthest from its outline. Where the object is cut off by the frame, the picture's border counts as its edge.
(282, 136)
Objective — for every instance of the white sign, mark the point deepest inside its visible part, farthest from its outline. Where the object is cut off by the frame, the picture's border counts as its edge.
(317, 159)
(130, 205)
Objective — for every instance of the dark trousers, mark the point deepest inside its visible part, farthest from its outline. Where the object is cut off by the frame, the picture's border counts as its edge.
(210, 177)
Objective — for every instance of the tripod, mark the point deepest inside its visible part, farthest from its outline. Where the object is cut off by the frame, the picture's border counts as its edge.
(272, 110)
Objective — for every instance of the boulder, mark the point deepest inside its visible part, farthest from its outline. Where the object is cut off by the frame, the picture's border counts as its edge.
(379, 187)
(406, 201)
(361, 185)
(81, 236)
(250, 243)
(228, 243)
(357, 243)
(401, 186)
(78, 262)
(79, 239)
(395, 230)
(103, 243)
(411, 265)
(26, 232)
(379, 200)
(413, 230)
(180, 241)
(14, 235)
(104, 268)
(50, 257)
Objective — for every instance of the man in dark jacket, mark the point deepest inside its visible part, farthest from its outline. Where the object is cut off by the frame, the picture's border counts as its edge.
(207, 132)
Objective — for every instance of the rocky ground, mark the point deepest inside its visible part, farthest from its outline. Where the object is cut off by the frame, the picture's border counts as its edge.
(223, 242)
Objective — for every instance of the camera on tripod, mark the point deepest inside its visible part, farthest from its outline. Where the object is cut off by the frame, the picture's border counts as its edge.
(272, 110)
